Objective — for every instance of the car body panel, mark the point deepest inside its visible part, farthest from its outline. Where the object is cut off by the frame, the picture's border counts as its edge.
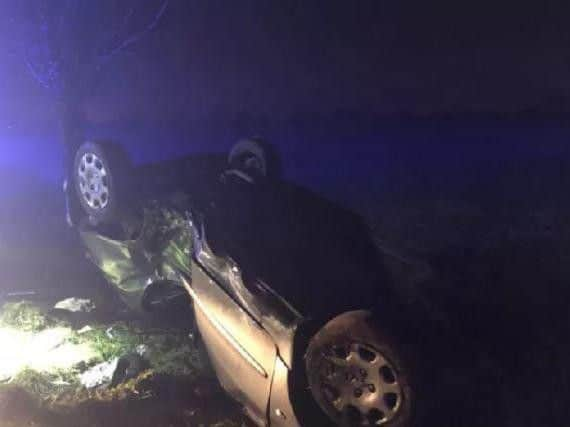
(242, 352)
(161, 252)
(130, 273)
(262, 304)
(281, 412)
(305, 248)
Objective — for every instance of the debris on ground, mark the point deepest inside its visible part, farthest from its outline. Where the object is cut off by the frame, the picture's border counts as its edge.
(84, 329)
(100, 374)
(75, 305)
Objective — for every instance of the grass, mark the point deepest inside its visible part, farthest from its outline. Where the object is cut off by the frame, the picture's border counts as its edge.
(109, 341)
(168, 353)
(25, 316)
(172, 392)
(46, 384)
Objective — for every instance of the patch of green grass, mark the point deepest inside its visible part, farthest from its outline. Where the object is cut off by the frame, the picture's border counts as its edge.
(173, 355)
(46, 385)
(119, 341)
(169, 353)
(25, 316)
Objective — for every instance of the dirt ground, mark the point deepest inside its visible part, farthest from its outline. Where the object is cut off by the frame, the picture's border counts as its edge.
(179, 403)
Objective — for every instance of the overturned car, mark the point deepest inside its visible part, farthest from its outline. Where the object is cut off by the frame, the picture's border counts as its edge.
(293, 300)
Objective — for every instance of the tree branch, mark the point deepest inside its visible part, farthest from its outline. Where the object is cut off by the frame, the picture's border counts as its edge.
(43, 68)
(134, 37)
(36, 74)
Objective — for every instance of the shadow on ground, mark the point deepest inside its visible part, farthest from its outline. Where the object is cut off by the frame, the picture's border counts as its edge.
(177, 402)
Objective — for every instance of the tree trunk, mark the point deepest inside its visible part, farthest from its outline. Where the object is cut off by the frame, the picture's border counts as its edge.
(71, 136)
(70, 129)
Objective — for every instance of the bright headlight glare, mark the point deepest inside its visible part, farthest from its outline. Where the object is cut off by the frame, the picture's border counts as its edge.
(43, 351)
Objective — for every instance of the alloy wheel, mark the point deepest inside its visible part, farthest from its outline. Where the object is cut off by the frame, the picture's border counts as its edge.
(358, 384)
(93, 180)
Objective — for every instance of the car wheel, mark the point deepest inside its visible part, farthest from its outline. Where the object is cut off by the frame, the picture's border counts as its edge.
(100, 173)
(357, 374)
(256, 158)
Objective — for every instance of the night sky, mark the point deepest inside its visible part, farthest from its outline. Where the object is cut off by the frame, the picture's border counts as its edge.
(216, 58)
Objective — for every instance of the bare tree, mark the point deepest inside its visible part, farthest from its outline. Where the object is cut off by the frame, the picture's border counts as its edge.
(68, 43)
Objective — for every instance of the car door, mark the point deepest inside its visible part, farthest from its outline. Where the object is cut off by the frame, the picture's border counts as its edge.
(242, 352)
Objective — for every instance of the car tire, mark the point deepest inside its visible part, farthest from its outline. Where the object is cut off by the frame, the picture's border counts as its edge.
(101, 174)
(359, 375)
(255, 158)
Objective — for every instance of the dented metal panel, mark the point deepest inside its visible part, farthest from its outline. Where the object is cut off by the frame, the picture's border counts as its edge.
(242, 352)
(161, 252)
(116, 261)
